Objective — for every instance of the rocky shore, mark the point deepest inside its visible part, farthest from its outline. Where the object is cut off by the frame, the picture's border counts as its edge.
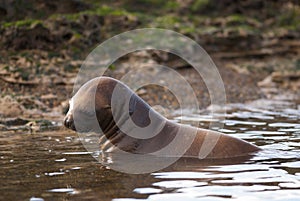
(41, 53)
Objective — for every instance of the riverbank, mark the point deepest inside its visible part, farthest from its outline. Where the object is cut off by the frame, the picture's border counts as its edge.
(42, 53)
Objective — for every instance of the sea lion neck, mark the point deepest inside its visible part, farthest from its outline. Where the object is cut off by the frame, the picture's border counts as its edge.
(131, 119)
(115, 103)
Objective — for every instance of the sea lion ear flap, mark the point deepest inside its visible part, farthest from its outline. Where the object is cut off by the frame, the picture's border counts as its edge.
(132, 105)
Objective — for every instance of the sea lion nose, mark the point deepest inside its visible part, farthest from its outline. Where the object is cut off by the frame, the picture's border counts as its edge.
(69, 122)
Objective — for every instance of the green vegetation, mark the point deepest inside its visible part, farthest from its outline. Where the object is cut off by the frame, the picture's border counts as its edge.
(22, 23)
(199, 4)
(112, 67)
(236, 20)
(106, 10)
(196, 19)
(167, 21)
(103, 10)
(164, 14)
(24, 73)
(290, 19)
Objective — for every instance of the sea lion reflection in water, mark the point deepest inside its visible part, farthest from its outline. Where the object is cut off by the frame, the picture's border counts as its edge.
(131, 125)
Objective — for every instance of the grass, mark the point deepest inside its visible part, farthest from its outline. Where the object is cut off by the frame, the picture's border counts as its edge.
(199, 4)
(167, 21)
(100, 11)
(290, 20)
(164, 16)
(22, 23)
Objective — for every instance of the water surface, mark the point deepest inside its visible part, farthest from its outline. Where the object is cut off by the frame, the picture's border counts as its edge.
(55, 166)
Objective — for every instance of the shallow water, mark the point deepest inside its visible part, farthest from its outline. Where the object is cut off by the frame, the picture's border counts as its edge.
(55, 166)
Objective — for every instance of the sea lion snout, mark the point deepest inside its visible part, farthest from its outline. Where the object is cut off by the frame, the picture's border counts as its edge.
(69, 121)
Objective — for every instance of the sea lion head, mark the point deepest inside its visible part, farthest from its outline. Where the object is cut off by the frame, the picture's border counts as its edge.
(92, 106)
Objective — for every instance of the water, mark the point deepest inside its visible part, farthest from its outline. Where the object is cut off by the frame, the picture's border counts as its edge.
(55, 166)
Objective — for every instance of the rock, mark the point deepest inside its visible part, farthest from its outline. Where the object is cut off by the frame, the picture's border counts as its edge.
(10, 108)
(13, 121)
(48, 97)
(267, 82)
(289, 80)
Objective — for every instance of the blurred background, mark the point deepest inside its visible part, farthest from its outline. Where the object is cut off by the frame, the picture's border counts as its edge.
(254, 43)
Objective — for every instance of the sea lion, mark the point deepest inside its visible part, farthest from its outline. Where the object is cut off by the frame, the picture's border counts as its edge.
(129, 124)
